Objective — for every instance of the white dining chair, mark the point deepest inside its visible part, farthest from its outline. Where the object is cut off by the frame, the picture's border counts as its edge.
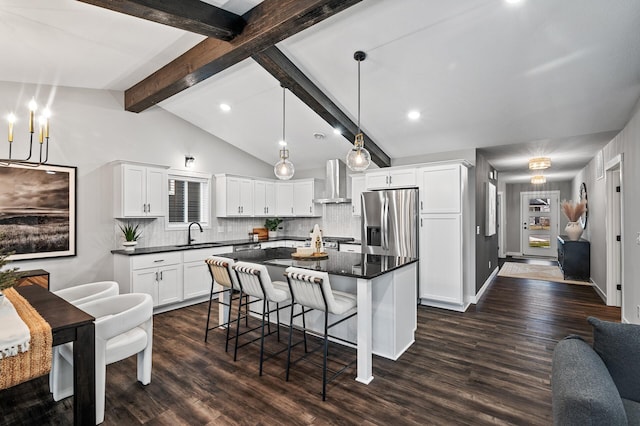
(84, 293)
(123, 327)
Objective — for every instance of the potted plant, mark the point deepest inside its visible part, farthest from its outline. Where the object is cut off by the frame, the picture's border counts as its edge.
(573, 211)
(8, 277)
(131, 235)
(272, 223)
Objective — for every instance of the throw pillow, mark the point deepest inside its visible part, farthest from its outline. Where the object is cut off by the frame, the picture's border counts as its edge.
(619, 345)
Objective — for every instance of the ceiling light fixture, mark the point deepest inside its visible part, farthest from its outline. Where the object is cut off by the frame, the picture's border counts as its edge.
(539, 163)
(358, 158)
(188, 161)
(225, 107)
(413, 115)
(538, 179)
(43, 136)
(283, 169)
(337, 131)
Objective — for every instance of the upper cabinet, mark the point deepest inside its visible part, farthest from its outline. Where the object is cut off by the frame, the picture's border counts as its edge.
(234, 196)
(284, 198)
(390, 178)
(264, 198)
(139, 190)
(440, 189)
(357, 187)
(304, 192)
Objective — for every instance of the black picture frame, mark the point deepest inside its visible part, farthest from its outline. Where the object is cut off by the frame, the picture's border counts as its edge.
(37, 211)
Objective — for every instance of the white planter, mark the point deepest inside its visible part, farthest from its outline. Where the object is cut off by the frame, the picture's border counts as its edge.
(129, 245)
(273, 234)
(573, 230)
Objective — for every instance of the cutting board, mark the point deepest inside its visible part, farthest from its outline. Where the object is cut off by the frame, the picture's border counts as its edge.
(313, 256)
(263, 233)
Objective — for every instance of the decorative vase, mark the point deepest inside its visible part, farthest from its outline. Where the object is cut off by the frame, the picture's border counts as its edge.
(573, 230)
(273, 234)
(129, 245)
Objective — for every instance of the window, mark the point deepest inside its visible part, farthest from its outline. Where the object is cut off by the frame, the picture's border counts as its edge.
(188, 200)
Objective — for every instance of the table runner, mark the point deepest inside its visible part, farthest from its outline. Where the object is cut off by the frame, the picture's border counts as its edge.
(36, 361)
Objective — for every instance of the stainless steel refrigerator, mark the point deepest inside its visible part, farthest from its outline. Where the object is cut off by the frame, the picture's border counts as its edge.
(390, 222)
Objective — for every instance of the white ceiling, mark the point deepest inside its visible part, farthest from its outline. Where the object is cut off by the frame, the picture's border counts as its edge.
(545, 77)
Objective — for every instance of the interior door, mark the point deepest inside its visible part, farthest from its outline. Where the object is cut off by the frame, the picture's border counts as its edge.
(539, 219)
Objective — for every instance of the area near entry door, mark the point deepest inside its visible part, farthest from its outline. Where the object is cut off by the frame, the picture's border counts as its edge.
(539, 220)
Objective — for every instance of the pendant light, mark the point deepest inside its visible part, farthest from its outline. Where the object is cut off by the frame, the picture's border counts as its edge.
(358, 158)
(284, 169)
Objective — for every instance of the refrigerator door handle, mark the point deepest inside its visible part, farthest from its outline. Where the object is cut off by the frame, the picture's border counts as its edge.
(385, 223)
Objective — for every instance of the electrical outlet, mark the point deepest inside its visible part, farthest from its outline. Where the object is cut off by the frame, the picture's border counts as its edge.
(638, 239)
(638, 311)
(478, 229)
(489, 264)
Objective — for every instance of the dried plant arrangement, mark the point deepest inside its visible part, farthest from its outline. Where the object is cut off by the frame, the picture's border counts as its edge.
(573, 211)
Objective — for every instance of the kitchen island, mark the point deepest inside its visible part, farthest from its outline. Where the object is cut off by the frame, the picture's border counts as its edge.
(386, 289)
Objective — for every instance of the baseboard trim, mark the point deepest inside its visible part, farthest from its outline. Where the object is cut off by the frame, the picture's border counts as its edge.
(598, 291)
(485, 286)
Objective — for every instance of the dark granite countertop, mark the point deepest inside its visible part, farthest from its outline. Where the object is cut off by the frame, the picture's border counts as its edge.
(354, 265)
(164, 249)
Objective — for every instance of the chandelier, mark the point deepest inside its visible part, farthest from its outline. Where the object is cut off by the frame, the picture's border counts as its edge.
(43, 137)
(539, 163)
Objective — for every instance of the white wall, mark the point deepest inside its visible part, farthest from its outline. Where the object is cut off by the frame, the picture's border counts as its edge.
(90, 128)
(627, 143)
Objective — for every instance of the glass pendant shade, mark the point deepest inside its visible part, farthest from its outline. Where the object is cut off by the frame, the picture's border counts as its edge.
(358, 158)
(284, 169)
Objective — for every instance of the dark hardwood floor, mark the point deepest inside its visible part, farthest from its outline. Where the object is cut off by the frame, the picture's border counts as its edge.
(489, 365)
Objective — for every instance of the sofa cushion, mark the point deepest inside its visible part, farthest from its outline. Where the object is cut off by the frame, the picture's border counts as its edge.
(619, 345)
(583, 392)
(632, 409)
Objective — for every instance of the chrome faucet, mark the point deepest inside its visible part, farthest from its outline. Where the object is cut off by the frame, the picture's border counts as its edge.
(189, 239)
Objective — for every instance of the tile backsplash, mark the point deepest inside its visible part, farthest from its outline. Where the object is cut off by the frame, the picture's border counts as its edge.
(336, 221)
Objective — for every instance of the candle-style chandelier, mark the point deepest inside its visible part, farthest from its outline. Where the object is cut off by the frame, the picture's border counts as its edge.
(43, 137)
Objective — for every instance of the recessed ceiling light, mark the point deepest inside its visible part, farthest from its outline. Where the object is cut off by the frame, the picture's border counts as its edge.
(225, 107)
(413, 115)
(337, 131)
(282, 143)
(513, 1)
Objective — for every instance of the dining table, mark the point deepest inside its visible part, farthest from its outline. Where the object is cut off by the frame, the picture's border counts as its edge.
(70, 324)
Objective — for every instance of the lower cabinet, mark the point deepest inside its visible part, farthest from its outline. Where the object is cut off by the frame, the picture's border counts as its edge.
(197, 279)
(173, 279)
(441, 277)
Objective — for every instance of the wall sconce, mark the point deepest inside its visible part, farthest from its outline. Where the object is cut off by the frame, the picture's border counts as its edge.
(188, 161)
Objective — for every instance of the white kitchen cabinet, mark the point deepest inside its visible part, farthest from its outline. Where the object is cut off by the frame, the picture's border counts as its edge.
(357, 188)
(304, 192)
(440, 189)
(441, 275)
(159, 275)
(391, 178)
(284, 199)
(234, 196)
(264, 198)
(197, 279)
(139, 190)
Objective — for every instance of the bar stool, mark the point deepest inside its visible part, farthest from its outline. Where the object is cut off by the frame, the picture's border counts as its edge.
(255, 281)
(312, 290)
(222, 273)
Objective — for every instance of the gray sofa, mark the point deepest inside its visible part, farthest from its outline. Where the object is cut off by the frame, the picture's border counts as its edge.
(599, 385)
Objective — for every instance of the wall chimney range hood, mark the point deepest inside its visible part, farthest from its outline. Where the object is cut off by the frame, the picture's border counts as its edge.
(335, 184)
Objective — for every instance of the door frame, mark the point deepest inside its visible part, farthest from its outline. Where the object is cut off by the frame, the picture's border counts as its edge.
(557, 217)
(613, 211)
(501, 225)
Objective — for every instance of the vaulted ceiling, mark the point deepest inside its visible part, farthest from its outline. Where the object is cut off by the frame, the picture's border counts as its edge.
(542, 77)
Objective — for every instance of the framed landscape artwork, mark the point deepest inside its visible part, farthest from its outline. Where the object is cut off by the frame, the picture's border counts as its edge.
(37, 211)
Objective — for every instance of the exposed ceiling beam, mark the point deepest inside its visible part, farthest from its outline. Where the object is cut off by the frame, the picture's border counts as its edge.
(275, 62)
(189, 15)
(268, 23)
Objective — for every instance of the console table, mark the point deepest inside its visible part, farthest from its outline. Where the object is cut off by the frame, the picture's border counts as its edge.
(574, 258)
